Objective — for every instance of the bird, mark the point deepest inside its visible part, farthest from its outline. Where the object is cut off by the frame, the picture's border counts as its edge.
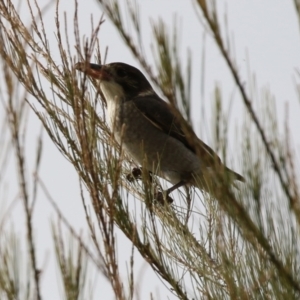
(150, 132)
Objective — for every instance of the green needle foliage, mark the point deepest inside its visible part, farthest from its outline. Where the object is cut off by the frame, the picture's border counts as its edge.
(234, 243)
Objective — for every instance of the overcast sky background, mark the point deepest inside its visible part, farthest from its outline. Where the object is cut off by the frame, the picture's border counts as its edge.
(266, 38)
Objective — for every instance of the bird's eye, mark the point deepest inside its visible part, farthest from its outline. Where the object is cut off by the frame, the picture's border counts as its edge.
(121, 73)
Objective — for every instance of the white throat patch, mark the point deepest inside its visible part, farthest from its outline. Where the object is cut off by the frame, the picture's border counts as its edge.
(113, 94)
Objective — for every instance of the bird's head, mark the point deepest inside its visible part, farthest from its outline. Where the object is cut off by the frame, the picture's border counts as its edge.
(118, 80)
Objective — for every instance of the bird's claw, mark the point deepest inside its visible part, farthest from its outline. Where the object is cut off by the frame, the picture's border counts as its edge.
(136, 174)
(162, 199)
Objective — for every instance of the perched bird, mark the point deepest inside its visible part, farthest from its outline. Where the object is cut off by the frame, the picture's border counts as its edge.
(150, 132)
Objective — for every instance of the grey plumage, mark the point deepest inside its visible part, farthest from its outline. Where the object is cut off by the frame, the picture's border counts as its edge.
(150, 132)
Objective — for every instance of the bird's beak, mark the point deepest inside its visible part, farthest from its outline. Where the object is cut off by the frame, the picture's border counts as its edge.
(93, 70)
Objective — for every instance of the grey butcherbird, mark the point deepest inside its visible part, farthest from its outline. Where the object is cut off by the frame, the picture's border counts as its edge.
(151, 133)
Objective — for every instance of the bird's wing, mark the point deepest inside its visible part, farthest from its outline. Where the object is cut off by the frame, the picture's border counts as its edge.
(159, 113)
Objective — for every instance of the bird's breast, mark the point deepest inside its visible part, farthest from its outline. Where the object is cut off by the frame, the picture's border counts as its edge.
(112, 114)
(151, 147)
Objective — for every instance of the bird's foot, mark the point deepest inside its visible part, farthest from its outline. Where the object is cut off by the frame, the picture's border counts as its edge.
(136, 174)
(163, 198)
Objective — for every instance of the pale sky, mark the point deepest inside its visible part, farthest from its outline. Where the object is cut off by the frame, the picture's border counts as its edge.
(265, 35)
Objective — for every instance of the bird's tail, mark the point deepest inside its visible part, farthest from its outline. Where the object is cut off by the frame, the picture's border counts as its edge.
(210, 181)
(235, 175)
